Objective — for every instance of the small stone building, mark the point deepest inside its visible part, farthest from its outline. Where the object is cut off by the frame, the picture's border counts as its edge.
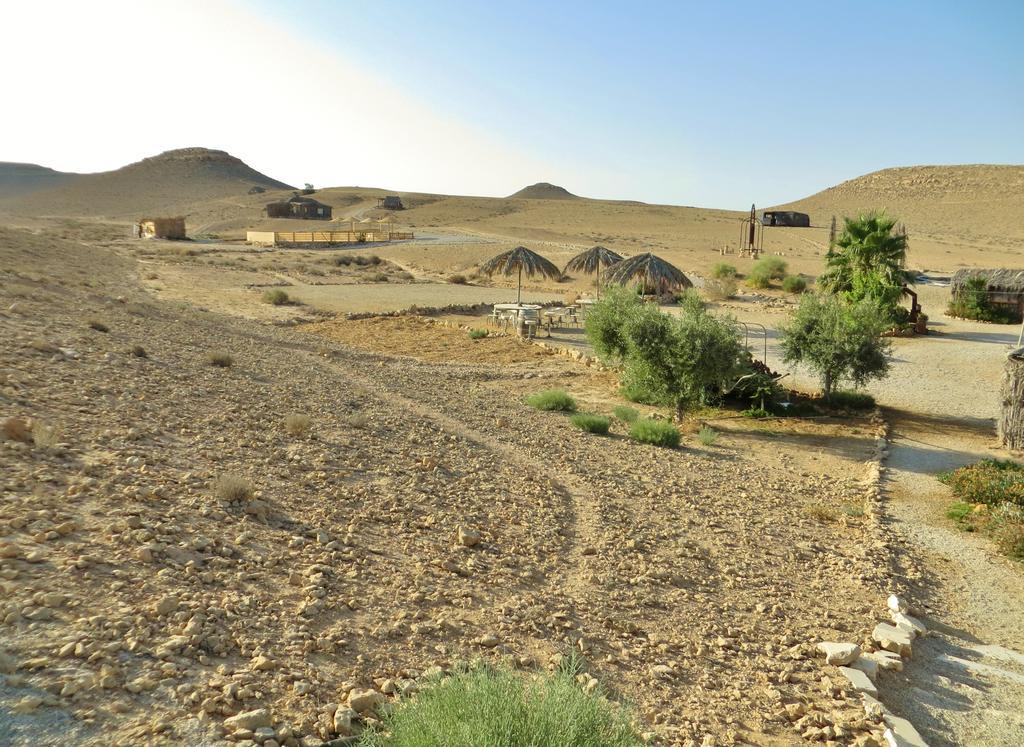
(299, 206)
(789, 218)
(159, 228)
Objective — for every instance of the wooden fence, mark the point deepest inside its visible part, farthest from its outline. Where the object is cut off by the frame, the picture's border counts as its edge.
(313, 238)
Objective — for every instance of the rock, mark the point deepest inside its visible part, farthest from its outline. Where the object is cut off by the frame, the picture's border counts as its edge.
(167, 605)
(860, 681)
(910, 624)
(251, 720)
(488, 641)
(8, 664)
(839, 654)
(9, 550)
(896, 604)
(363, 701)
(872, 706)
(795, 710)
(343, 720)
(28, 704)
(468, 537)
(263, 664)
(901, 733)
(885, 660)
(892, 639)
(866, 665)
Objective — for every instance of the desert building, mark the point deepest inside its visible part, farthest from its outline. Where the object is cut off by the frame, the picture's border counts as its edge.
(391, 202)
(1004, 288)
(789, 218)
(159, 228)
(298, 206)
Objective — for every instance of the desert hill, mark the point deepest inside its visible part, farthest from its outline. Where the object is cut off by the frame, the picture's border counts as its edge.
(544, 191)
(23, 178)
(175, 181)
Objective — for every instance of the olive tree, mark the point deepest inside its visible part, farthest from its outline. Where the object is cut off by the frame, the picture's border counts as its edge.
(837, 340)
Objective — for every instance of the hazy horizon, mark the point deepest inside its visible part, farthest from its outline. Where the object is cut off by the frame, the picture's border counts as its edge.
(684, 106)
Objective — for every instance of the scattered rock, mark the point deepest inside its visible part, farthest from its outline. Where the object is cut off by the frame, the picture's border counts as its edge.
(839, 654)
(468, 537)
(364, 701)
(250, 720)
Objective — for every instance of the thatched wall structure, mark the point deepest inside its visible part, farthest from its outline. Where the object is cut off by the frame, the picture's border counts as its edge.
(1011, 418)
(159, 228)
(1005, 287)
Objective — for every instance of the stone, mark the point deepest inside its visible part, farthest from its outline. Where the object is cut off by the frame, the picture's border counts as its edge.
(263, 664)
(886, 660)
(901, 733)
(860, 681)
(167, 605)
(873, 707)
(488, 640)
(468, 537)
(839, 654)
(28, 704)
(8, 664)
(897, 604)
(362, 701)
(892, 639)
(866, 665)
(795, 710)
(251, 720)
(343, 720)
(908, 623)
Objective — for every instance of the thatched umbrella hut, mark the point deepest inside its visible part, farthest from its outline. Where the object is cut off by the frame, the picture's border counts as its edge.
(1003, 288)
(651, 271)
(591, 262)
(519, 260)
(1011, 417)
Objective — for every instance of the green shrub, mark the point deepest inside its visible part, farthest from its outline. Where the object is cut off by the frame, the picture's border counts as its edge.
(276, 297)
(756, 412)
(591, 423)
(489, 706)
(794, 284)
(852, 400)
(554, 400)
(719, 289)
(990, 481)
(775, 267)
(723, 270)
(758, 278)
(959, 511)
(657, 432)
(707, 436)
(626, 414)
(478, 334)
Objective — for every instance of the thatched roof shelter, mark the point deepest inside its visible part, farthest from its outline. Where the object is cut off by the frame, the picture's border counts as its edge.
(996, 280)
(591, 262)
(651, 271)
(521, 260)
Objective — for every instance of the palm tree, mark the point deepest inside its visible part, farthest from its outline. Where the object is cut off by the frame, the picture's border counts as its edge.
(591, 261)
(652, 272)
(869, 246)
(518, 260)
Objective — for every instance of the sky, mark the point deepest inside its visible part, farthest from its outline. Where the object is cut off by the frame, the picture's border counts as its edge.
(686, 103)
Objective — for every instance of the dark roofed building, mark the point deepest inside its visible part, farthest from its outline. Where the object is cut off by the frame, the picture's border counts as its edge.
(391, 202)
(298, 206)
(789, 218)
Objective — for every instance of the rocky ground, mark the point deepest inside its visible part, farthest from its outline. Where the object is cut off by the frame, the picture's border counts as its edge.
(183, 563)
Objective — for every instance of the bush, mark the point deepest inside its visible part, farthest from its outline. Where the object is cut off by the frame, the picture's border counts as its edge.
(489, 706)
(990, 481)
(98, 326)
(606, 323)
(233, 489)
(972, 301)
(838, 341)
(626, 414)
(794, 284)
(457, 279)
(591, 423)
(775, 267)
(46, 436)
(758, 278)
(723, 270)
(478, 334)
(720, 289)
(707, 436)
(276, 297)
(220, 360)
(657, 432)
(852, 400)
(297, 424)
(138, 351)
(554, 400)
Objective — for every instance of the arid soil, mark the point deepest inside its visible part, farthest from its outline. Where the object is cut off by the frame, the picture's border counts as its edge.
(427, 517)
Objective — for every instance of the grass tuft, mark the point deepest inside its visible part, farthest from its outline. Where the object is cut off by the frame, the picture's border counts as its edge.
(220, 360)
(723, 270)
(138, 351)
(490, 706)
(457, 279)
(46, 436)
(591, 423)
(626, 414)
(794, 284)
(707, 436)
(847, 400)
(478, 334)
(276, 297)
(554, 400)
(233, 489)
(656, 432)
(297, 424)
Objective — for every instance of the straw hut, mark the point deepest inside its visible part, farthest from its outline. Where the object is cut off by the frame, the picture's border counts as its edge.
(1004, 288)
(591, 262)
(520, 260)
(651, 272)
(159, 228)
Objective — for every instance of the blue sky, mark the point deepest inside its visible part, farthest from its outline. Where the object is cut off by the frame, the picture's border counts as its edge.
(708, 104)
(702, 103)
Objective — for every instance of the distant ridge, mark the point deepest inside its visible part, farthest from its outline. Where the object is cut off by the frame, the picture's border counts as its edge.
(169, 183)
(23, 178)
(544, 191)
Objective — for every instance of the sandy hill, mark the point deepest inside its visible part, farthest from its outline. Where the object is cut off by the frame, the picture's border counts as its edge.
(544, 191)
(22, 178)
(972, 206)
(176, 181)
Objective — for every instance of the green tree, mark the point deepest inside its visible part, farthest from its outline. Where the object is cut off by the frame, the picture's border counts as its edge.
(838, 340)
(868, 260)
(606, 322)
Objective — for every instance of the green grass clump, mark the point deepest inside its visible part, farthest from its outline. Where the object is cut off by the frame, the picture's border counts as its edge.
(758, 278)
(959, 512)
(707, 436)
(657, 432)
(276, 297)
(591, 423)
(774, 266)
(990, 481)
(723, 270)
(477, 334)
(554, 400)
(794, 284)
(497, 707)
(626, 414)
(848, 400)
